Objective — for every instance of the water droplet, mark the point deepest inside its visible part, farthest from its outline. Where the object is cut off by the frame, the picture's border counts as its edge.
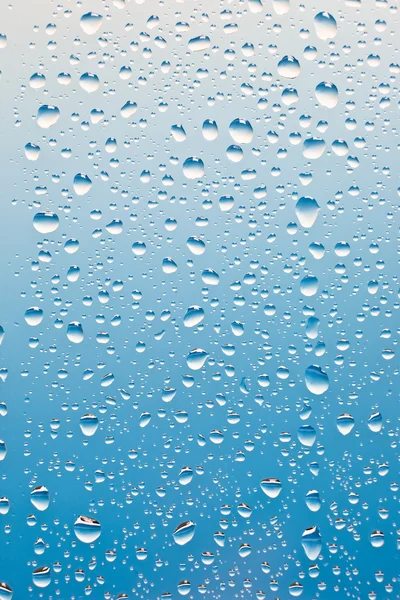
(184, 533)
(89, 424)
(82, 184)
(317, 380)
(90, 22)
(312, 542)
(199, 43)
(345, 423)
(193, 168)
(47, 116)
(40, 498)
(34, 316)
(289, 67)
(75, 332)
(271, 487)
(194, 315)
(86, 529)
(327, 94)
(325, 26)
(46, 222)
(241, 131)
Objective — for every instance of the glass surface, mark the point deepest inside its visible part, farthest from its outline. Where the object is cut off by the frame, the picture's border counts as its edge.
(199, 309)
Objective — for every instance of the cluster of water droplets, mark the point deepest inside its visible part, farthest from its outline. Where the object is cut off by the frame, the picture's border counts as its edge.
(200, 317)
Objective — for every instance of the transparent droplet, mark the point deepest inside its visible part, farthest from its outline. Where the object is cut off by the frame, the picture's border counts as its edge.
(184, 533)
(75, 332)
(46, 222)
(41, 577)
(47, 116)
(317, 380)
(89, 424)
(327, 94)
(241, 131)
(193, 168)
(87, 529)
(289, 67)
(40, 498)
(325, 26)
(196, 358)
(312, 542)
(34, 316)
(271, 487)
(90, 22)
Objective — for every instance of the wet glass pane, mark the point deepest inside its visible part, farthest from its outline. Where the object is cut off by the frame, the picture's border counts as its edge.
(199, 309)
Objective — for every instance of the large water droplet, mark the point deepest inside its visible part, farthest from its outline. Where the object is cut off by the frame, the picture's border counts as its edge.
(34, 316)
(87, 529)
(90, 22)
(271, 487)
(312, 542)
(47, 116)
(184, 533)
(325, 26)
(196, 359)
(327, 94)
(289, 67)
(40, 498)
(46, 222)
(75, 332)
(317, 380)
(241, 131)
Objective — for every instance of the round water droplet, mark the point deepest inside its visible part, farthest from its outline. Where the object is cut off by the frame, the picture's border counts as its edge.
(47, 116)
(82, 184)
(4, 505)
(86, 529)
(196, 359)
(289, 67)
(313, 500)
(317, 380)
(90, 22)
(375, 422)
(40, 498)
(89, 82)
(196, 245)
(75, 332)
(193, 168)
(184, 587)
(271, 487)
(32, 151)
(309, 286)
(345, 423)
(194, 315)
(312, 542)
(313, 148)
(46, 222)
(327, 94)
(184, 533)
(226, 203)
(241, 131)
(209, 130)
(34, 316)
(377, 539)
(199, 43)
(306, 435)
(41, 577)
(89, 424)
(325, 26)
